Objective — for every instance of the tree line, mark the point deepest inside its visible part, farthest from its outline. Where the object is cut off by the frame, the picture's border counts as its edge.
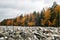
(48, 17)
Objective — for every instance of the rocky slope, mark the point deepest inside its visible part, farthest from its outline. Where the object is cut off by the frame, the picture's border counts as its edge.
(30, 33)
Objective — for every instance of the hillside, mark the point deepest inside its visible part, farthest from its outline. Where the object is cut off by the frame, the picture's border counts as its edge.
(49, 17)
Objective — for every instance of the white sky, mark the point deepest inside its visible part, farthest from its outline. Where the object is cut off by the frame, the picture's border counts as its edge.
(13, 8)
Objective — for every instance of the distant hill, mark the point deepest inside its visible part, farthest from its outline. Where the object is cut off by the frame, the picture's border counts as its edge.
(49, 17)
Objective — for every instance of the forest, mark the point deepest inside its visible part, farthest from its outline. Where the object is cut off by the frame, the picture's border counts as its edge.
(45, 18)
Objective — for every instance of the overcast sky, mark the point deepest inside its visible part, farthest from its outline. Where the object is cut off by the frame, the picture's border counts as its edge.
(13, 8)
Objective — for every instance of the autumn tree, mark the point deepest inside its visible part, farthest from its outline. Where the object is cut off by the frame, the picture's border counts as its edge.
(37, 19)
(3, 22)
(34, 13)
(26, 22)
(42, 17)
(57, 11)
